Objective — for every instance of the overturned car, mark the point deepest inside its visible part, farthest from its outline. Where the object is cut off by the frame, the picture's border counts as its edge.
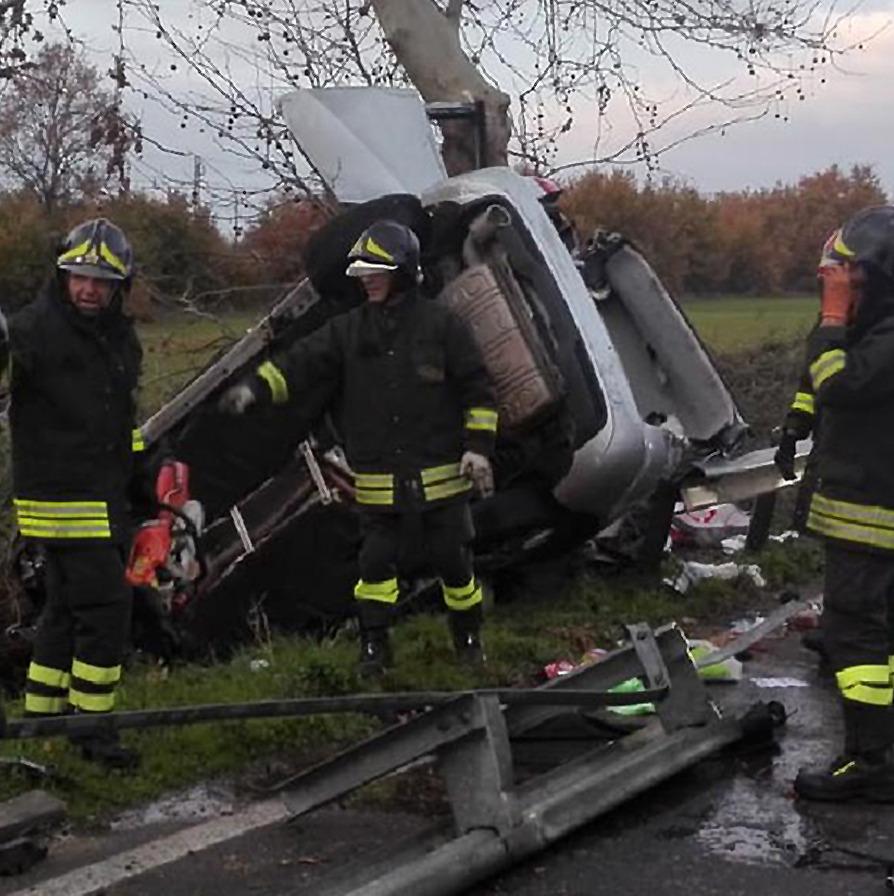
(609, 404)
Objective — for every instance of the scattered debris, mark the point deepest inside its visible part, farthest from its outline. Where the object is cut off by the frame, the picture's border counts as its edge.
(692, 572)
(709, 527)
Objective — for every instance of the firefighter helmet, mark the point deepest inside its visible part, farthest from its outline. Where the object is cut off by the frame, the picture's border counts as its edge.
(386, 246)
(97, 248)
(868, 239)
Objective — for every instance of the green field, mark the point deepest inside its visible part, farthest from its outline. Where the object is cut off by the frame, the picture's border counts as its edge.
(729, 325)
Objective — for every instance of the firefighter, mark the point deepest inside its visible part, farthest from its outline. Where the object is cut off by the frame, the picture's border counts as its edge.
(75, 363)
(851, 363)
(418, 418)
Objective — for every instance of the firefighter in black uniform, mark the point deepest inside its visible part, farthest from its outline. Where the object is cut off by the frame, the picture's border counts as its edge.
(75, 363)
(851, 362)
(418, 416)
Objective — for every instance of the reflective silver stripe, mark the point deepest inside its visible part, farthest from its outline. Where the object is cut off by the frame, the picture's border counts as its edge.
(826, 365)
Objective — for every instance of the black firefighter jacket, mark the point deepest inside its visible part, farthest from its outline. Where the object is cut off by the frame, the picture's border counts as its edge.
(852, 378)
(410, 394)
(72, 416)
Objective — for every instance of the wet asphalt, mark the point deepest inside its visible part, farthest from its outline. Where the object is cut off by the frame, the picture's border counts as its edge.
(729, 826)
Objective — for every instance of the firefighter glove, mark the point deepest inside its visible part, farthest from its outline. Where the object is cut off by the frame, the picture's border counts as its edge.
(477, 468)
(784, 458)
(237, 399)
(839, 294)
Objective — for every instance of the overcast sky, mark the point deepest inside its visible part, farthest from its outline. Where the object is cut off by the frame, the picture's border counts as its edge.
(846, 121)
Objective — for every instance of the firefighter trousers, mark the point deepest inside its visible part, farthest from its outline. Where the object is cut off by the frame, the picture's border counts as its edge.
(858, 632)
(82, 632)
(446, 533)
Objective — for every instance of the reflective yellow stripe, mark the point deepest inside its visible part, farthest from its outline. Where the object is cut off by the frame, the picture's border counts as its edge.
(447, 489)
(841, 247)
(386, 592)
(374, 480)
(373, 248)
(864, 693)
(76, 252)
(436, 474)
(64, 528)
(55, 678)
(58, 509)
(463, 598)
(827, 364)
(382, 498)
(91, 702)
(481, 418)
(112, 258)
(137, 443)
(803, 402)
(95, 674)
(47, 705)
(870, 514)
(844, 768)
(272, 375)
(847, 678)
(825, 525)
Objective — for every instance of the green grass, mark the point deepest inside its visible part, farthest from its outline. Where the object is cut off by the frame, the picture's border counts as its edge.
(733, 324)
(540, 625)
(177, 346)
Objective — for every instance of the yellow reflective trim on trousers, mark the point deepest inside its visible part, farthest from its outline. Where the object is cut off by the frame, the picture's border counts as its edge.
(91, 702)
(482, 418)
(847, 678)
(826, 365)
(463, 598)
(60, 509)
(435, 474)
(272, 375)
(55, 678)
(374, 480)
(870, 514)
(47, 705)
(864, 693)
(64, 529)
(95, 674)
(804, 401)
(366, 496)
(826, 525)
(386, 592)
(447, 489)
(137, 442)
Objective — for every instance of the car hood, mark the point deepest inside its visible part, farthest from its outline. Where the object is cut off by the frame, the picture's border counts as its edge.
(365, 142)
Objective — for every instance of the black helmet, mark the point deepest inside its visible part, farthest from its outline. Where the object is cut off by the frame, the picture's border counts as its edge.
(97, 248)
(386, 246)
(867, 238)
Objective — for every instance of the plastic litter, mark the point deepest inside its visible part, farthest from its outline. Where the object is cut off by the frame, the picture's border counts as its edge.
(729, 670)
(692, 572)
(631, 686)
(709, 526)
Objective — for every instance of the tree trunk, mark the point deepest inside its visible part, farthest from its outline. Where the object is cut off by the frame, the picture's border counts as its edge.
(426, 42)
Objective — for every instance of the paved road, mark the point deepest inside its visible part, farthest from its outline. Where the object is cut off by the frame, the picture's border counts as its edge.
(727, 827)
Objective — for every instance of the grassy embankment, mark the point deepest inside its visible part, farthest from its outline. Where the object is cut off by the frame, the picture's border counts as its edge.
(578, 610)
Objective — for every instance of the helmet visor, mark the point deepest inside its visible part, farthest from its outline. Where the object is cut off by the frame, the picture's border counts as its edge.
(360, 268)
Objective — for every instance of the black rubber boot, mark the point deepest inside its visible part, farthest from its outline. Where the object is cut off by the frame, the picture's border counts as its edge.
(868, 777)
(375, 652)
(105, 748)
(373, 618)
(465, 630)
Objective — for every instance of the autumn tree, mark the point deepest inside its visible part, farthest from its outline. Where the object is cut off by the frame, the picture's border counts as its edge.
(62, 134)
(558, 58)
